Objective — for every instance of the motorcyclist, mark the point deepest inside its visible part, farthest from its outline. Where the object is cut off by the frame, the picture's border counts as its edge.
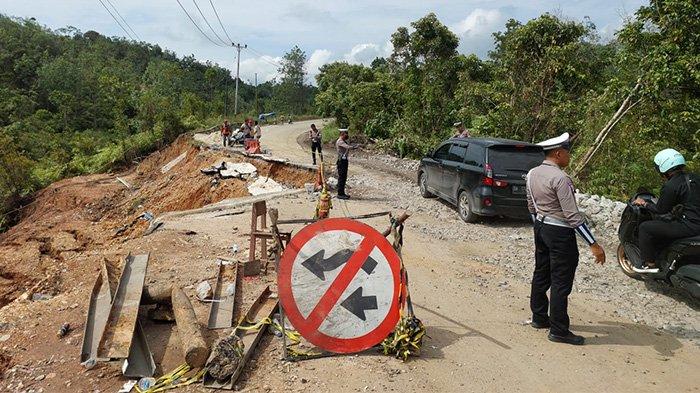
(678, 208)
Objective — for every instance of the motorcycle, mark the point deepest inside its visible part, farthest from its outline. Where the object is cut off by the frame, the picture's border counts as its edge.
(678, 264)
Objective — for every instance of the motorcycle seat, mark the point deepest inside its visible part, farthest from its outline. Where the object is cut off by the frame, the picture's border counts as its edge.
(687, 241)
(686, 247)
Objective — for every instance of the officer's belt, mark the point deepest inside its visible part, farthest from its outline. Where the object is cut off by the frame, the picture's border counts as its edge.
(552, 221)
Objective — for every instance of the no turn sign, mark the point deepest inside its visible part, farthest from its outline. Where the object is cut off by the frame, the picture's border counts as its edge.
(339, 284)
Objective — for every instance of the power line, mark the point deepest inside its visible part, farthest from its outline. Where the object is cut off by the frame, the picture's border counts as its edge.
(116, 20)
(265, 58)
(123, 20)
(219, 19)
(207, 22)
(197, 26)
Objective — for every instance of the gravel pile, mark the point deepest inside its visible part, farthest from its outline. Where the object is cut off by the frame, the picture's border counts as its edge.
(602, 214)
(653, 304)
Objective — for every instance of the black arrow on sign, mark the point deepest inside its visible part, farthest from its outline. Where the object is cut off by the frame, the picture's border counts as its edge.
(319, 265)
(358, 304)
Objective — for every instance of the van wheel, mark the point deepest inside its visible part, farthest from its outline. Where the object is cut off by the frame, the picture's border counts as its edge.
(626, 264)
(422, 183)
(465, 209)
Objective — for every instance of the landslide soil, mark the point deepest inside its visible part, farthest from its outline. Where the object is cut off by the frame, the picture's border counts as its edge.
(74, 225)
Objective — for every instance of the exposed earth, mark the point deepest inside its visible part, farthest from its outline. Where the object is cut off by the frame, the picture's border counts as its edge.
(469, 283)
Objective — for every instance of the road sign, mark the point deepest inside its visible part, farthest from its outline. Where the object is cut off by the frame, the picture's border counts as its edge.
(339, 284)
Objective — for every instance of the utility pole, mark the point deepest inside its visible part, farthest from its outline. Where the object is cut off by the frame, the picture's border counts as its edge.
(226, 96)
(257, 111)
(238, 68)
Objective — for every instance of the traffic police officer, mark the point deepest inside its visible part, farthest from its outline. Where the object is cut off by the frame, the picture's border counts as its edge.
(557, 220)
(343, 148)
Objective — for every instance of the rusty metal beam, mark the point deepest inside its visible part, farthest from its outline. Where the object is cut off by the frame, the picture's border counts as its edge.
(97, 313)
(140, 362)
(121, 323)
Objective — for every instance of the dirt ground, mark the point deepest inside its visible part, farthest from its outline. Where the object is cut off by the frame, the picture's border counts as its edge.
(468, 290)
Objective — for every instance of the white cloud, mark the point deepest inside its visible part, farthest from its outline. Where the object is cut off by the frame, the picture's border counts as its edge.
(266, 67)
(475, 30)
(365, 53)
(478, 22)
(318, 58)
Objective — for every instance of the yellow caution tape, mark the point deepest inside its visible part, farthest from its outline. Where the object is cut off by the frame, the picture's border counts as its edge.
(173, 380)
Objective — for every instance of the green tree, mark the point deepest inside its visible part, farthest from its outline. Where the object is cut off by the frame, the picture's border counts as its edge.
(659, 50)
(335, 81)
(541, 69)
(292, 94)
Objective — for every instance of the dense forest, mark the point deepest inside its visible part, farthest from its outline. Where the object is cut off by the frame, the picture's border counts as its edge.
(74, 103)
(621, 100)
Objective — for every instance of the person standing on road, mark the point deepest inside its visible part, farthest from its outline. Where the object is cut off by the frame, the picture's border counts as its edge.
(226, 133)
(552, 204)
(247, 129)
(315, 137)
(258, 131)
(343, 149)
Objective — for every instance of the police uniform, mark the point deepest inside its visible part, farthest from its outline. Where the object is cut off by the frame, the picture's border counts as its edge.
(552, 204)
(343, 149)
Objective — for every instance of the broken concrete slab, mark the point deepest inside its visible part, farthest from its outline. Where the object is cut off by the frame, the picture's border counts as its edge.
(226, 204)
(241, 170)
(119, 331)
(264, 185)
(172, 163)
(229, 173)
(244, 168)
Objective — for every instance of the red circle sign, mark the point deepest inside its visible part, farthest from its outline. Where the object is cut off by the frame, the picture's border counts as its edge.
(338, 282)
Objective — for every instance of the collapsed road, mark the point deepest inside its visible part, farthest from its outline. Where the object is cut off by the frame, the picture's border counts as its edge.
(469, 284)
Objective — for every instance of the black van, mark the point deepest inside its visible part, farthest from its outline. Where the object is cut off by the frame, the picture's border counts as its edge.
(481, 176)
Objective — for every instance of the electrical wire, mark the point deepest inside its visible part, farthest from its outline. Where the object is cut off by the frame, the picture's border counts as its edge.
(123, 20)
(265, 58)
(219, 19)
(116, 20)
(197, 26)
(207, 22)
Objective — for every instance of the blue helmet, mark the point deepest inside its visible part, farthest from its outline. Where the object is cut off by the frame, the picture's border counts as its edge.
(668, 159)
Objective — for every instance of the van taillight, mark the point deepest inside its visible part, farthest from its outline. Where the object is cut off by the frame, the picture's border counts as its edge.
(488, 179)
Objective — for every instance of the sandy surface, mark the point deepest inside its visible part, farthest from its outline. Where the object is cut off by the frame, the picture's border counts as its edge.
(469, 284)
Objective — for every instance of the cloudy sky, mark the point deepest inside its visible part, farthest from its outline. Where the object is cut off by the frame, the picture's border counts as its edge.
(354, 31)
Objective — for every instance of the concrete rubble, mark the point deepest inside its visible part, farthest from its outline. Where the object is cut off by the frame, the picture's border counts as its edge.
(204, 291)
(264, 185)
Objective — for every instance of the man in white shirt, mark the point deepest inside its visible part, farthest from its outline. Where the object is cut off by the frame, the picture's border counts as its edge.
(343, 149)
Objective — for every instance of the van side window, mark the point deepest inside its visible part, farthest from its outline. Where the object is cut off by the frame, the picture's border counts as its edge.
(443, 152)
(475, 155)
(457, 153)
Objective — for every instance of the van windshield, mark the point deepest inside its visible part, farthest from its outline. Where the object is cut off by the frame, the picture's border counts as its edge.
(513, 161)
